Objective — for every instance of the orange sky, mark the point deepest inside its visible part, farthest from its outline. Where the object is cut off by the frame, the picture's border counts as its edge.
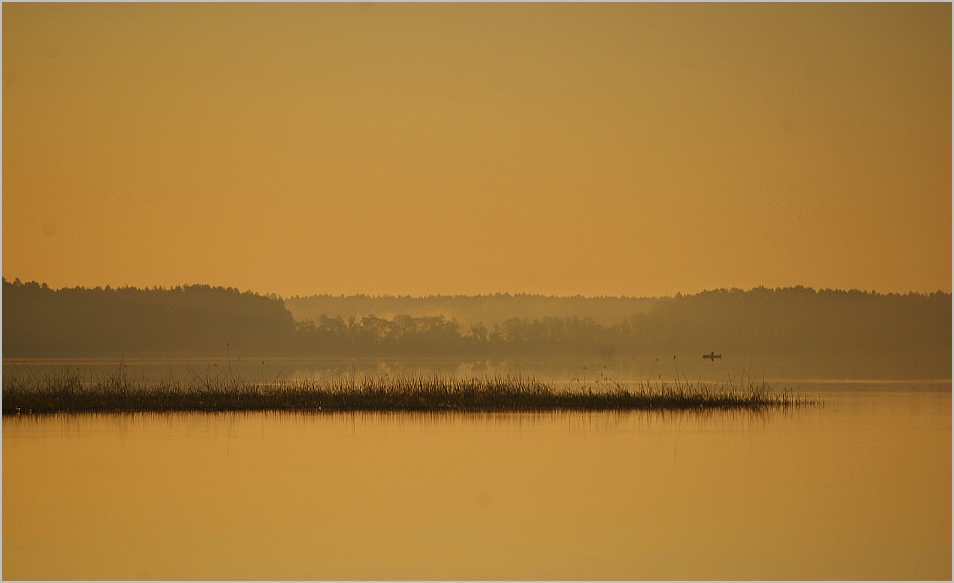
(620, 149)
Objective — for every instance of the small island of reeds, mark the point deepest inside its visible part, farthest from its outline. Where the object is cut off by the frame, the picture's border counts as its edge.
(69, 392)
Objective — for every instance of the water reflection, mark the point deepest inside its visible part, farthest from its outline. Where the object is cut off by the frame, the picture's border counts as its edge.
(859, 488)
(86, 424)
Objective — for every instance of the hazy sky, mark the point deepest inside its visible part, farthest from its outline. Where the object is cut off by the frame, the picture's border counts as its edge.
(635, 149)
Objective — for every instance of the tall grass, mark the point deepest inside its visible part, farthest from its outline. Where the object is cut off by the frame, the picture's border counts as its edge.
(69, 392)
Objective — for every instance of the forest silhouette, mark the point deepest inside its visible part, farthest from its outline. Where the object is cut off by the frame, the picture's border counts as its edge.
(200, 320)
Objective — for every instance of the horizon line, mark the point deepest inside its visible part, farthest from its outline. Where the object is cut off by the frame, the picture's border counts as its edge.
(17, 281)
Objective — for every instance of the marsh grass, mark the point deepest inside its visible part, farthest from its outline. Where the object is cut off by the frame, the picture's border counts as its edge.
(68, 391)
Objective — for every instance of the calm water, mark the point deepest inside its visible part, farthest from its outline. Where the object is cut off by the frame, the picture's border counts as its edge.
(792, 371)
(857, 489)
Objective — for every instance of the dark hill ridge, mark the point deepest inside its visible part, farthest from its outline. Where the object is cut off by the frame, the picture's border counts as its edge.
(201, 320)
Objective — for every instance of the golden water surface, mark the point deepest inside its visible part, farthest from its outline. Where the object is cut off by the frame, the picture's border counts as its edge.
(857, 489)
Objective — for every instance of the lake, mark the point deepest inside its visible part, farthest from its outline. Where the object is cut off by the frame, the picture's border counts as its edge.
(859, 488)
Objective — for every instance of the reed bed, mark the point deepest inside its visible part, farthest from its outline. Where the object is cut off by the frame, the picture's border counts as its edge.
(69, 392)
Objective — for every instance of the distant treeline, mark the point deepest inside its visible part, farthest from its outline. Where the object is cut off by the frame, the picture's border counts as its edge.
(201, 320)
(187, 320)
(789, 320)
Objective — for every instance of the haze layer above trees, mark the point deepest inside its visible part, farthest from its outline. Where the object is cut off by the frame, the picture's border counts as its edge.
(208, 321)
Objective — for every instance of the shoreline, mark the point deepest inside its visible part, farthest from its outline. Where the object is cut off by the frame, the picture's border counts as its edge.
(68, 393)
